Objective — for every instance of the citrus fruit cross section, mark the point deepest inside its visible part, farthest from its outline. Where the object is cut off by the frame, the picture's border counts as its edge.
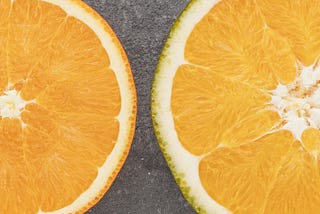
(236, 105)
(67, 106)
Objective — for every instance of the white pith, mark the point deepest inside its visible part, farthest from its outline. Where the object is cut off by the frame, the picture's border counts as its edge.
(298, 103)
(11, 104)
(118, 65)
(185, 163)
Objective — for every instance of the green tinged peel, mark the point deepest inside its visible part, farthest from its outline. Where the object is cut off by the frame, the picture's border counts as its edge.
(178, 176)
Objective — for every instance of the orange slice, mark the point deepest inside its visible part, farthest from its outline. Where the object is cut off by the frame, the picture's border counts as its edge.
(67, 106)
(236, 105)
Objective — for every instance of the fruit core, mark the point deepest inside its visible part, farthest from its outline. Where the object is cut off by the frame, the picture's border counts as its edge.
(11, 104)
(298, 103)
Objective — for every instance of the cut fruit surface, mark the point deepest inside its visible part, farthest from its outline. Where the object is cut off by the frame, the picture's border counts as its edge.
(67, 106)
(235, 105)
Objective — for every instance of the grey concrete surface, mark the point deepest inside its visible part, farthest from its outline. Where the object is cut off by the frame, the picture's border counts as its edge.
(145, 184)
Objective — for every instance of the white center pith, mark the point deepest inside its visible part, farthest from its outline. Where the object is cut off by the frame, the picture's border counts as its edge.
(11, 104)
(298, 103)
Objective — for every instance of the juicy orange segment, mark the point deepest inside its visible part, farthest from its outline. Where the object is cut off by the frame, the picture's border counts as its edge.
(241, 46)
(71, 88)
(213, 95)
(297, 185)
(231, 175)
(298, 21)
(60, 101)
(251, 128)
(311, 140)
(4, 17)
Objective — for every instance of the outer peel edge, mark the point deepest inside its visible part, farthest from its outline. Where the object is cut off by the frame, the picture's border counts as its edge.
(183, 165)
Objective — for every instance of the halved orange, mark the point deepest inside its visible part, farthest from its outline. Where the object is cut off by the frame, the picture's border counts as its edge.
(67, 106)
(236, 105)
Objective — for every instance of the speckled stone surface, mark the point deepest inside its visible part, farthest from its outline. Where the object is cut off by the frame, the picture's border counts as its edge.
(145, 184)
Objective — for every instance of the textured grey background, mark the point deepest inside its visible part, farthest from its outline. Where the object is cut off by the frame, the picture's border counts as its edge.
(145, 184)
